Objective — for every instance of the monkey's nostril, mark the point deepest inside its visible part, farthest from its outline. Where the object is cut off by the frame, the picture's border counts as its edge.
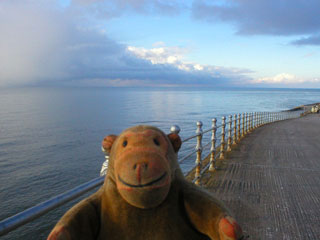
(141, 165)
(146, 165)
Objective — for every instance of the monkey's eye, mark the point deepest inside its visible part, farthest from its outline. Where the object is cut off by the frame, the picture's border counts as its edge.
(156, 142)
(124, 143)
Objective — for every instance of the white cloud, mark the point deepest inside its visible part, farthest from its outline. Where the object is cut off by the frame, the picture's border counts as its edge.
(159, 55)
(285, 78)
(175, 56)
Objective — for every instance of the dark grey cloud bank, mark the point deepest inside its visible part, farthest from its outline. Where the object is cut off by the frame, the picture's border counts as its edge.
(115, 8)
(43, 44)
(313, 40)
(265, 17)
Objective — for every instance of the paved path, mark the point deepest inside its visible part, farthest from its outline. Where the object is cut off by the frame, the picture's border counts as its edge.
(271, 181)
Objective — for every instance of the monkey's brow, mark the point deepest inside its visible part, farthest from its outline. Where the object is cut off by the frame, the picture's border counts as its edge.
(145, 133)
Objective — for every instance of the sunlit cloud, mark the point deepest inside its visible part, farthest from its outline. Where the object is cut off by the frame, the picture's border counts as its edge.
(175, 56)
(285, 78)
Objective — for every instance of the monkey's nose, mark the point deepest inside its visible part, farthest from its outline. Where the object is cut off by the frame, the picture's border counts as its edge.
(140, 170)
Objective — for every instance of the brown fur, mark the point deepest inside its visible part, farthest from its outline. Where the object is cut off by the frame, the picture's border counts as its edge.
(145, 196)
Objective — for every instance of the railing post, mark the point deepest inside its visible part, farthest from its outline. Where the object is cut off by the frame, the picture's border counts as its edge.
(105, 164)
(259, 119)
(199, 152)
(253, 121)
(239, 127)
(266, 117)
(250, 122)
(223, 127)
(229, 133)
(246, 124)
(242, 134)
(272, 117)
(235, 130)
(213, 145)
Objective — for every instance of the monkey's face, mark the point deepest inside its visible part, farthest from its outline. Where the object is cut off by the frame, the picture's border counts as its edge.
(142, 169)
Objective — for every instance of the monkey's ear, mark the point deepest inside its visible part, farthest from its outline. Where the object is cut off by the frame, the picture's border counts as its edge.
(108, 142)
(175, 141)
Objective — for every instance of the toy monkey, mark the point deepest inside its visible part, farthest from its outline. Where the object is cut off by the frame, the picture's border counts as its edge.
(145, 196)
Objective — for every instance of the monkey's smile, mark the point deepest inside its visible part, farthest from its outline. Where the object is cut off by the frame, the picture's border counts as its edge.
(143, 185)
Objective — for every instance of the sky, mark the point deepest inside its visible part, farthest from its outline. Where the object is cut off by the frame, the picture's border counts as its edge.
(150, 43)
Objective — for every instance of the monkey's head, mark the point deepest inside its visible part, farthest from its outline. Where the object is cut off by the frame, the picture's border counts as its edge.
(143, 162)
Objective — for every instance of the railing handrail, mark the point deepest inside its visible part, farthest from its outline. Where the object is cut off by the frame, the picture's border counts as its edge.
(32, 213)
(254, 120)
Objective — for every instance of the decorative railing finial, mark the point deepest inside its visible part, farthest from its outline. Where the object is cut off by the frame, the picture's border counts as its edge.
(175, 129)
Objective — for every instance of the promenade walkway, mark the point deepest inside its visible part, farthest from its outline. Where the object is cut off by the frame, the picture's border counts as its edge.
(271, 180)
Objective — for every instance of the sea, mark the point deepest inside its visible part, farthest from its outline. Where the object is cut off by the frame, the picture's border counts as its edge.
(50, 137)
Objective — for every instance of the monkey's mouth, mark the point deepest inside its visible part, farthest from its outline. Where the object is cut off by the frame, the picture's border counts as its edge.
(143, 185)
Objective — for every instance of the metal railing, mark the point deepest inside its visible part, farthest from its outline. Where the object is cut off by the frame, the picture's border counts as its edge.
(237, 128)
(32, 213)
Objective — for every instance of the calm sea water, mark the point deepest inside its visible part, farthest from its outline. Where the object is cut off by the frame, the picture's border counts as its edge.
(50, 137)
